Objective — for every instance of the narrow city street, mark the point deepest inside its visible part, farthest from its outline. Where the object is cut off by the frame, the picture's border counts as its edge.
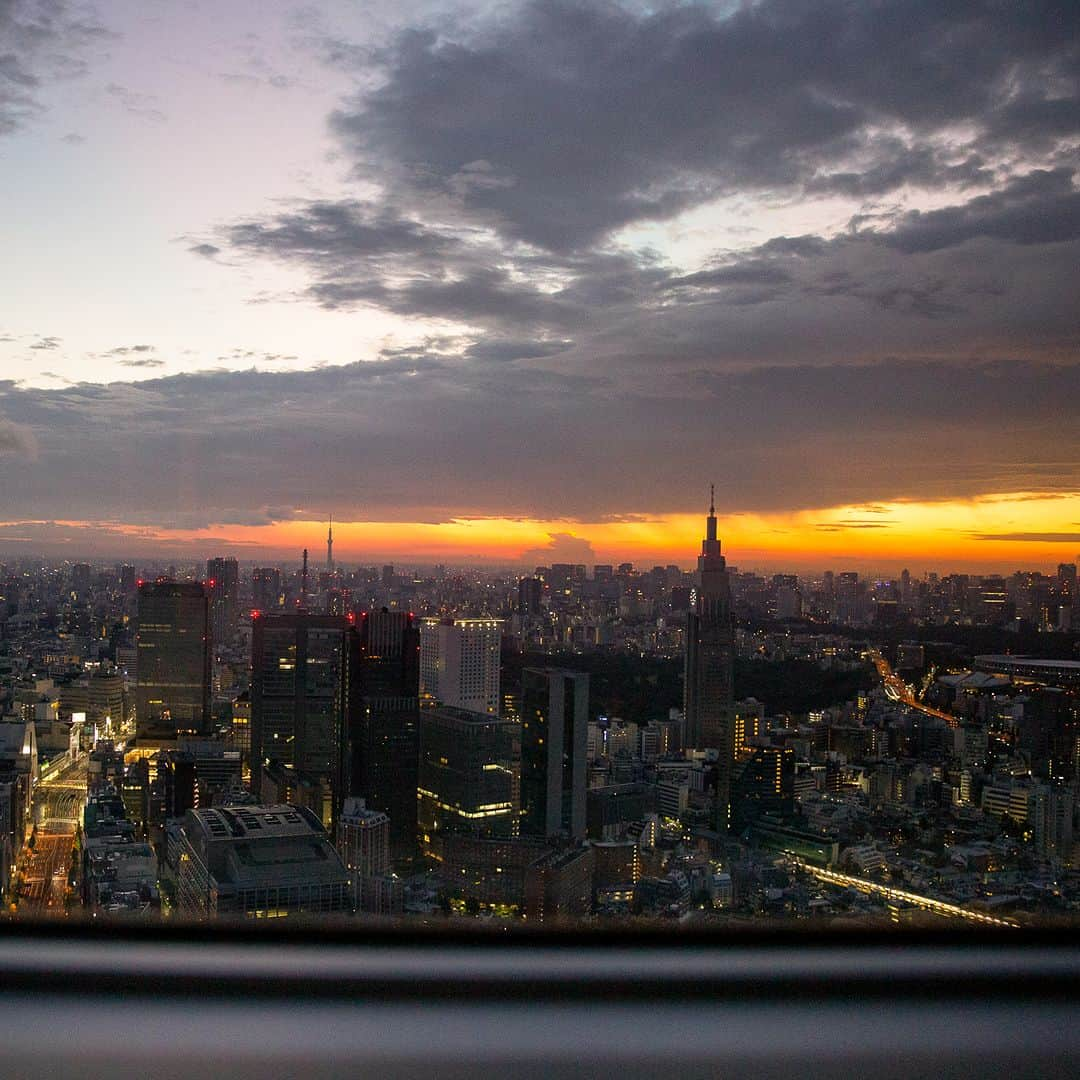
(44, 869)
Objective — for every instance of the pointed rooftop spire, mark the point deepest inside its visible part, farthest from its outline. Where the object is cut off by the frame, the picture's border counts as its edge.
(712, 500)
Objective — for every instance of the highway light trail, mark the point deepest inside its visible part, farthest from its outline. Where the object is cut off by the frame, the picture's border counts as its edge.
(927, 903)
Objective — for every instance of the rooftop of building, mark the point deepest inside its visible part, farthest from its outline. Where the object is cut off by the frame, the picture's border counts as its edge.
(251, 847)
(557, 860)
(1011, 662)
(467, 716)
(974, 680)
(356, 812)
(237, 823)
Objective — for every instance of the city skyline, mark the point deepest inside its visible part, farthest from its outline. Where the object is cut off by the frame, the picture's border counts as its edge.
(274, 263)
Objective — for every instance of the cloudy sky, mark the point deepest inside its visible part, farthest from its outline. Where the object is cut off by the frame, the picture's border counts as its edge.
(516, 281)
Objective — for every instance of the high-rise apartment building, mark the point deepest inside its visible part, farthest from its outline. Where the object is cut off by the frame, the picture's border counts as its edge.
(554, 752)
(363, 839)
(384, 717)
(710, 656)
(469, 774)
(173, 661)
(363, 842)
(299, 692)
(459, 663)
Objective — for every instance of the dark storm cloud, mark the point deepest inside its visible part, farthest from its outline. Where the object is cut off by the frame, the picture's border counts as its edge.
(565, 120)
(335, 230)
(40, 42)
(419, 437)
(361, 253)
(562, 121)
(919, 354)
(1042, 207)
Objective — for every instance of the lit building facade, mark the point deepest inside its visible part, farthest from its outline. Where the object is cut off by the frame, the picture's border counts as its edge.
(469, 774)
(459, 663)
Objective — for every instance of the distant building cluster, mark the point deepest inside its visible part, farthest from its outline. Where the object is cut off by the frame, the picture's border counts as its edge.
(233, 741)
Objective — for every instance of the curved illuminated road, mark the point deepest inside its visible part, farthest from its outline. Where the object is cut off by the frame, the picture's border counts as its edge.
(897, 690)
(926, 903)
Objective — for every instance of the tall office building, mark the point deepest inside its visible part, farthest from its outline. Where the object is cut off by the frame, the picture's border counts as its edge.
(554, 752)
(173, 661)
(383, 733)
(266, 594)
(530, 592)
(459, 663)
(710, 655)
(469, 775)
(223, 587)
(299, 691)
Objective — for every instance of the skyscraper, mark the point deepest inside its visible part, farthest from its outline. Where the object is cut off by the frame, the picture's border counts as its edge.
(459, 663)
(330, 547)
(710, 652)
(173, 661)
(530, 591)
(266, 588)
(554, 751)
(298, 704)
(223, 586)
(383, 732)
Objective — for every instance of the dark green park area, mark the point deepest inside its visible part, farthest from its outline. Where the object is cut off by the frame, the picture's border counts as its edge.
(640, 689)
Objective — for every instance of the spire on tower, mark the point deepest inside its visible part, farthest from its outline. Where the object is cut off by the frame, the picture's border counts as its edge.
(710, 524)
(330, 546)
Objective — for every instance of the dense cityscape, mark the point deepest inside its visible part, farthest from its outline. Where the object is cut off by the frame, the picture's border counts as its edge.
(606, 744)
(539, 538)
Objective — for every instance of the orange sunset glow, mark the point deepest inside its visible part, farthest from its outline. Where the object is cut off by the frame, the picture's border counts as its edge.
(1006, 532)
